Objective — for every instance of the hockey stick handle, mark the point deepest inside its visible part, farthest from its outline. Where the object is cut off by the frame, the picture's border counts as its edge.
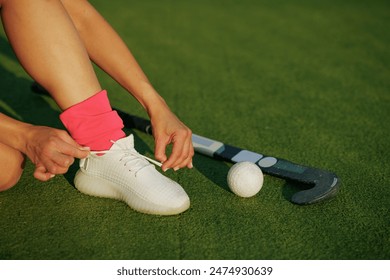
(274, 166)
(138, 123)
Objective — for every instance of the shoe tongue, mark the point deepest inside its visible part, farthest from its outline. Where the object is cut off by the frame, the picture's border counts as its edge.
(126, 143)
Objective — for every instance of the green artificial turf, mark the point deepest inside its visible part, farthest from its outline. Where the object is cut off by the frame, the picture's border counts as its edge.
(303, 80)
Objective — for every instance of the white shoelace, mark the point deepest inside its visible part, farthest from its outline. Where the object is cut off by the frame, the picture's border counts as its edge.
(127, 153)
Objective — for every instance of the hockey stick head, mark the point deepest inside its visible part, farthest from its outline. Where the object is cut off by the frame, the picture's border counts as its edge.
(325, 185)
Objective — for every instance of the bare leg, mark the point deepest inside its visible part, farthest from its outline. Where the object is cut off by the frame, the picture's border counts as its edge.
(48, 46)
(108, 50)
(11, 166)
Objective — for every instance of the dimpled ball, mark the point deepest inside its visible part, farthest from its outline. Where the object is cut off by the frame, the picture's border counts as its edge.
(245, 179)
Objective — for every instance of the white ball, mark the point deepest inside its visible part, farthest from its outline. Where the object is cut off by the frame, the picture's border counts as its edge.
(245, 179)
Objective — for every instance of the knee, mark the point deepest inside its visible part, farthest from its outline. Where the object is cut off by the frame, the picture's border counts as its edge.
(12, 165)
(10, 180)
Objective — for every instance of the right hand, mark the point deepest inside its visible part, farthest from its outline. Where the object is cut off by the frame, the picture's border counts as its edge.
(168, 129)
(52, 151)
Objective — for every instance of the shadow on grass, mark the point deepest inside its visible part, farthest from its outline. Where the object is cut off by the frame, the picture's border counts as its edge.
(16, 98)
(214, 170)
(290, 188)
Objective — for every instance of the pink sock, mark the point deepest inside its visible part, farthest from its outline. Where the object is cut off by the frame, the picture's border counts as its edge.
(92, 122)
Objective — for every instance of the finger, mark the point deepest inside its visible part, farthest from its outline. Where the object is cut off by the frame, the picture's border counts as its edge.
(176, 156)
(56, 156)
(71, 147)
(187, 162)
(60, 163)
(191, 155)
(171, 162)
(55, 161)
(41, 173)
(73, 151)
(160, 147)
(182, 150)
(185, 157)
(53, 168)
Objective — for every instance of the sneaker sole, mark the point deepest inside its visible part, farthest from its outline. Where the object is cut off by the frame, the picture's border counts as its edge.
(100, 187)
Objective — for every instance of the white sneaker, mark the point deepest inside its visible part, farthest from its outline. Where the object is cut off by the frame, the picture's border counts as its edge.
(123, 174)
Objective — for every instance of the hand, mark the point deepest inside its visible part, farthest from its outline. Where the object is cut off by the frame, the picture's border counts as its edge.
(168, 129)
(52, 151)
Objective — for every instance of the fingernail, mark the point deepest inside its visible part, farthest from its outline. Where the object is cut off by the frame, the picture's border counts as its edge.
(165, 169)
(52, 176)
(176, 168)
(85, 148)
(191, 166)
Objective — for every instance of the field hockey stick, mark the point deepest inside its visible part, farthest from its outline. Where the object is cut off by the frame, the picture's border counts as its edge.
(324, 184)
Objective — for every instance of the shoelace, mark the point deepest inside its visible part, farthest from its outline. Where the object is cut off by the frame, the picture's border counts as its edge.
(128, 153)
(131, 156)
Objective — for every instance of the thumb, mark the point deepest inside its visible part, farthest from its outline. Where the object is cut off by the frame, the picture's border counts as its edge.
(73, 148)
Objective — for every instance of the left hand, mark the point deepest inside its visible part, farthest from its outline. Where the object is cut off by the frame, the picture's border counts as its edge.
(168, 129)
(51, 150)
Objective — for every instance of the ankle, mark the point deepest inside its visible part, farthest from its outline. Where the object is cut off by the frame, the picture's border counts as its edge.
(93, 123)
